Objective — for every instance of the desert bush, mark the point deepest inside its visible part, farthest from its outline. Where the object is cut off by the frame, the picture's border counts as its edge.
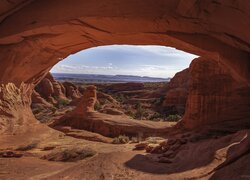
(156, 116)
(97, 106)
(153, 140)
(53, 109)
(158, 101)
(140, 111)
(122, 139)
(63, 102)
(173, 118)
(135, 140)
(120, 98)
(130, 113)
(27, 147)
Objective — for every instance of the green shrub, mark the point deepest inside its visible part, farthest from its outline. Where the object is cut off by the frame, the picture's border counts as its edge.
(122, 139)
(140, 112)
(53, 109)
(121, 98)
(131, 114)
(97, 106)
(63, 102)
(173, 118)
(158, 101)
(156, 116)
(135, 140)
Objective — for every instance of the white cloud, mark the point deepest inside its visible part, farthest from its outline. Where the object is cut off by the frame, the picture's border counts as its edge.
(155, 61)
(79, 69)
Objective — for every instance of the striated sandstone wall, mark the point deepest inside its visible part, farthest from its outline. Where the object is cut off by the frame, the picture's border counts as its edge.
(214, 95)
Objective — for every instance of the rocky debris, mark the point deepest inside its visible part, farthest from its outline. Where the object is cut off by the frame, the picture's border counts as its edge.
(10, 154)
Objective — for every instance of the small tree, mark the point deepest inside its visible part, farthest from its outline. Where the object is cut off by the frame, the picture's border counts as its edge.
(140, 111)
(173, 118)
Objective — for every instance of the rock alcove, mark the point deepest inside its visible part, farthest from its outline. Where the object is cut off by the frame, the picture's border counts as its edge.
(35, 35)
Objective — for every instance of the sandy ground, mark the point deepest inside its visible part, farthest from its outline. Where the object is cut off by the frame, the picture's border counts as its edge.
(216, 152)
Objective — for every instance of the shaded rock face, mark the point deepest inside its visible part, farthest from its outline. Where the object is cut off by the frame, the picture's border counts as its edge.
(214, 95)
(35, 36)
(177, 92)
(37, 99)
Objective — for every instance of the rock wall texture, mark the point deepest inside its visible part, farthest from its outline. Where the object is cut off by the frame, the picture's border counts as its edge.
(214, 95)
(177, 92)
(35, 35)
(15, 113)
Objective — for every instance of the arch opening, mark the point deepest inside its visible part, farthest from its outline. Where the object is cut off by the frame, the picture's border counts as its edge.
(139, 82)
(35, 35)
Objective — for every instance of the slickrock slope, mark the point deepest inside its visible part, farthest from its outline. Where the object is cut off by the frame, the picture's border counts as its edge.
(85, 117)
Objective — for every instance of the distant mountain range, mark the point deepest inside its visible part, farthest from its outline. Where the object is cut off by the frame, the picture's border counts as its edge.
(98, 78)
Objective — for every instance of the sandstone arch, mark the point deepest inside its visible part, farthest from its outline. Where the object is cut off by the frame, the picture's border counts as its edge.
(35, 35)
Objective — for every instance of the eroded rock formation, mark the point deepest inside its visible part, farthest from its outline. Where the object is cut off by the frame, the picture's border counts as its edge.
(215, 95)
(50, 90)
(176, 93)
(87, 102)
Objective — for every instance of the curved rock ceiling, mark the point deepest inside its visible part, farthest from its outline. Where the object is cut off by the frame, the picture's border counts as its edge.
(35, 35)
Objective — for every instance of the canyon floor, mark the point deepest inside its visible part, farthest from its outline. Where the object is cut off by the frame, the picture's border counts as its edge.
(80, 143)
(207, 153)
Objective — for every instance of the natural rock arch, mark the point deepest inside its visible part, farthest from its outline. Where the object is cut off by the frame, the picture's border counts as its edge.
(35, 35)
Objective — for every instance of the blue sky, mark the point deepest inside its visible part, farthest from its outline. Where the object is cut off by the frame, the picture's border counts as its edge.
(154, 61)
